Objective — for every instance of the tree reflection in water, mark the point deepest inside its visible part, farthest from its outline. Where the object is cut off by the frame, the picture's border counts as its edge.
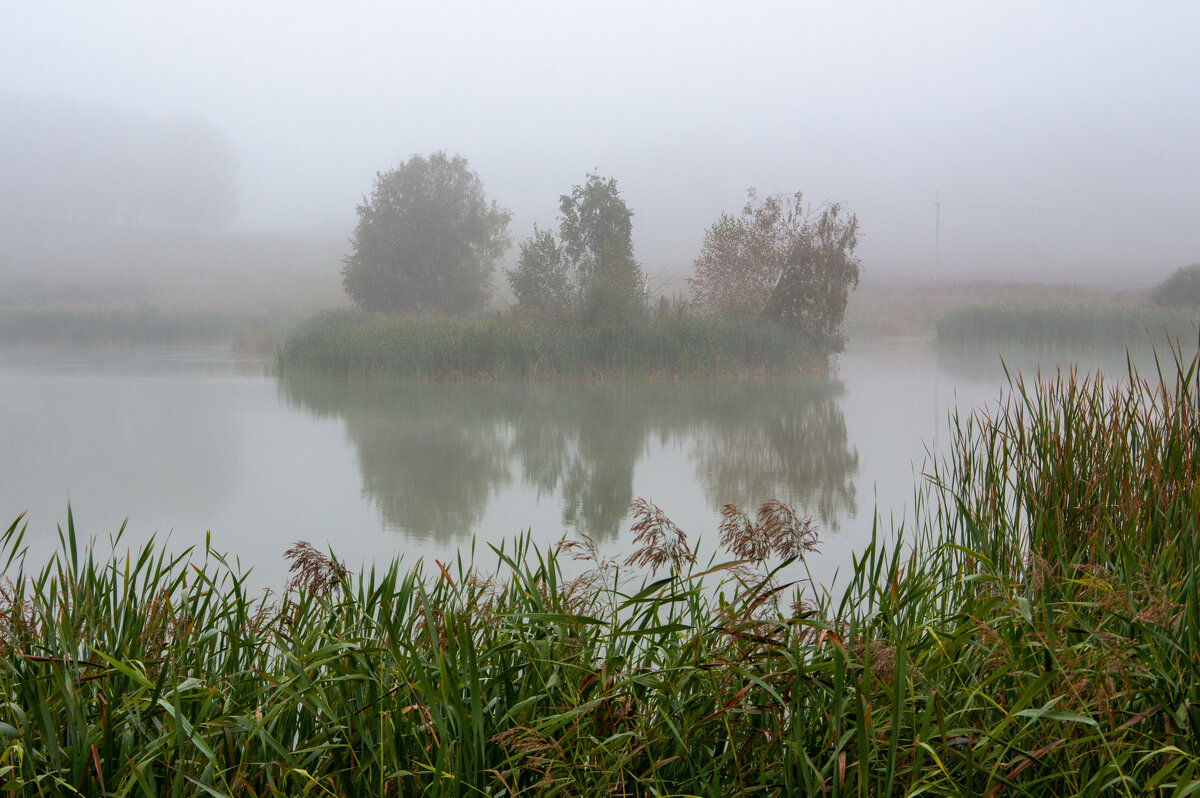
(784, 441)
(432, 455)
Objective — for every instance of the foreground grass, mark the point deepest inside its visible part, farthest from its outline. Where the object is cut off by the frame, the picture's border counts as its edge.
(351, 344)
(1035, 633)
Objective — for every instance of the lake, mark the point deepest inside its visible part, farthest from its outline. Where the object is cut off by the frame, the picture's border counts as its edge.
(185, 442)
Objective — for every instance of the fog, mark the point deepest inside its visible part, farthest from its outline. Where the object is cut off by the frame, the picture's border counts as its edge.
(1060, 138)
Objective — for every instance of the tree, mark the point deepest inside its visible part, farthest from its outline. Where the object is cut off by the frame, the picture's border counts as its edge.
(590, 267)
(1181, 289)
(542, 279)
(63, 163)
(596, 229)
(781, 260)
(427, 239)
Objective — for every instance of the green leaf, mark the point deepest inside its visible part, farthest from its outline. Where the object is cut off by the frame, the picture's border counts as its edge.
(1053, 714)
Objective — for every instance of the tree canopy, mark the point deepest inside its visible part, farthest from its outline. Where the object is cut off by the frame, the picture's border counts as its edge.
(596, 229)
(1181, 289)
(427, 239)
(590, 267)
(542, 279)
(782, 260)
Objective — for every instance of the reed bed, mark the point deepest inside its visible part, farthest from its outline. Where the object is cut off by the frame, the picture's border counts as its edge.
(1063, 326)
(350, 344)
(140, 326)
(1034, 633)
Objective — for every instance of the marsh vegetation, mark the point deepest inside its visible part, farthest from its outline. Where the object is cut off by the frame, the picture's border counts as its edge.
(348, 344)
(428, 239)
(1071, 326)
(136, 287)
(1074, 317)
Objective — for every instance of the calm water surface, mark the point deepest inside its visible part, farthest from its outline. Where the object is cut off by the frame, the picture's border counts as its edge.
(185, 442)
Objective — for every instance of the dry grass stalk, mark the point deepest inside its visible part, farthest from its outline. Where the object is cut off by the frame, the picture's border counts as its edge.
(581, 593)
(659, 542)
(163, 624)
(17, 620)
(583, 549)
(776, 531)
(312, 571)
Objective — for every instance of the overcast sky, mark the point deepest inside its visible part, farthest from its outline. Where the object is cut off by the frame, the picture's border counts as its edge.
(1058, 136)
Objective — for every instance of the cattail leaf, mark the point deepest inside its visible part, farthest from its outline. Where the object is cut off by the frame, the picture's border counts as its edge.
(664, 629)
(1053, 714)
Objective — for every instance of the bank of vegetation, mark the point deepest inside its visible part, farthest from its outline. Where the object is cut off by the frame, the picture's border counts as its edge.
(350, 344)
(1069, 317)
(1035, 631)
(148, 286)
(1066, 326)
(139, 326)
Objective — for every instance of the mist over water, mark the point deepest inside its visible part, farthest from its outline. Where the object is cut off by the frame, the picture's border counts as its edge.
(209, 161)
(185, 444)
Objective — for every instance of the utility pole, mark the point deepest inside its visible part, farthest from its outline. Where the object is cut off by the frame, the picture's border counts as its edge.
(937, 235)
(937, 273)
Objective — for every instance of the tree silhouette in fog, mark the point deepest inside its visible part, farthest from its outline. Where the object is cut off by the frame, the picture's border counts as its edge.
(64, 164)
(427, 239)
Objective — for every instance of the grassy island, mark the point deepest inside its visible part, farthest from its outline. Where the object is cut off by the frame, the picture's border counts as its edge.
(1035, 632)
(354, 344)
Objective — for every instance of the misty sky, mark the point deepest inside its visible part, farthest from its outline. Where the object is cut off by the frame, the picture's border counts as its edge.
(1060, 137)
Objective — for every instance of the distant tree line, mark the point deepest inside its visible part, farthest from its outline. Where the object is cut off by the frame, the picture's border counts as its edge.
(72, 164)
(428, 239)
(1181, 289)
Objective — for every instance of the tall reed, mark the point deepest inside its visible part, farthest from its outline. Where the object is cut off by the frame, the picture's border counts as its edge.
(1064, 326)
(139, 326)
(348, 344)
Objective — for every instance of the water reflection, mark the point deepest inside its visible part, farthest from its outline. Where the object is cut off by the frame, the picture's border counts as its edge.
(111, 444)
(788, 443)
(980, 363)
(432, 456)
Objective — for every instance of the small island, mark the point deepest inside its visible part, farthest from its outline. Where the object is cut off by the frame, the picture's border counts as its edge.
(770, 289)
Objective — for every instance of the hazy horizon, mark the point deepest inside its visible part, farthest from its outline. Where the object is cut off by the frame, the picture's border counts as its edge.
(1058, 137)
